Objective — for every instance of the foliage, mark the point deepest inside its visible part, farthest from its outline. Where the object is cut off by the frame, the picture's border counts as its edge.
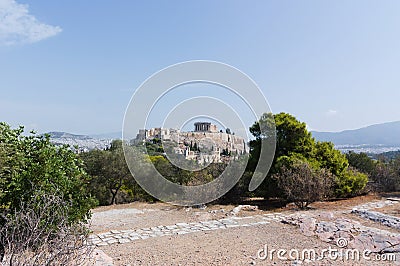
(112, 182)
(386, 156)
(109, 172)
(94, 163)
(303, 184)
(292, 136)
(328, 157)
(238, 192)
(385, 172)
(166, 168)
(29, 163)
(39, 233)
(154, 148)
(395, 167)
(361, 161)
(387, 175)
(295, 143)
(350, 183)
(181, 176)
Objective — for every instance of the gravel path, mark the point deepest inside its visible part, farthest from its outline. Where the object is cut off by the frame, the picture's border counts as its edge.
(126, 236)
(165, 235)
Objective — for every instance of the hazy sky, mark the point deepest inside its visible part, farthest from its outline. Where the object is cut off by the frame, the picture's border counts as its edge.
(73, 65)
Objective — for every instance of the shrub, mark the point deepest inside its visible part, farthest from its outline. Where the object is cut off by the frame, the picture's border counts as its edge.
(43, 201)
(39, 233)
(362, 162)
(350, 183)
(303, 184)
(31, 162)
(387, 175)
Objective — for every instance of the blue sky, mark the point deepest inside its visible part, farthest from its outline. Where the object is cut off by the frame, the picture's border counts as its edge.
(73, 65)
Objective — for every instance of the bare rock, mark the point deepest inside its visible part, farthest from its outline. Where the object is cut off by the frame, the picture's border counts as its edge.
(239, 208)
(326, 216)
(308, 226)
(100, 258)
(351, 232)
(390, 221)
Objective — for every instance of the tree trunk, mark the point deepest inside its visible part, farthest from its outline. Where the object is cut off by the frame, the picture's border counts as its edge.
(114, 191)
(114, 196)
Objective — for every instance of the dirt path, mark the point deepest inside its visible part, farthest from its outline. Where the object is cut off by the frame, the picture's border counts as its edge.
(213, 236)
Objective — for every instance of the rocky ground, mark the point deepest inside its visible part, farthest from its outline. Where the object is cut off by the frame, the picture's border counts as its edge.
(161, 234)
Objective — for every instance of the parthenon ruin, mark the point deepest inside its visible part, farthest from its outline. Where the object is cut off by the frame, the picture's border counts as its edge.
(205, 127)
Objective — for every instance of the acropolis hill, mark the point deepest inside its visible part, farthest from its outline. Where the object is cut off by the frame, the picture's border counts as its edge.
(204, 144)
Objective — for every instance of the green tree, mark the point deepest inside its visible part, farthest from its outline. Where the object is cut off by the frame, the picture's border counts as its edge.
(155, 148)
(292, 136)
(295, 143)
(171, 172)
(350, 183)
(361, 161)
(94, 162)
(32, 164)
(387, 174)
(292, 139)
(109, 172)
(329, 158)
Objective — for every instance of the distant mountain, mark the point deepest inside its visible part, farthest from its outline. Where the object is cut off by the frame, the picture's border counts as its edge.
(84, 143)
(381, 134)
(372, 139)
(64, 135)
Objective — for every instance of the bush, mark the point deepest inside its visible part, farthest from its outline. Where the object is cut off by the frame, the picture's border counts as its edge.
(362, 162)
(43, 201)
(39, 233)
(350, 183)
(303, 184)
(31, 162)
(387, 175)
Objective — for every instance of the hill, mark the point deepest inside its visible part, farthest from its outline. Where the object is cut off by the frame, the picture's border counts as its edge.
(387, 134)
(372, 139)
